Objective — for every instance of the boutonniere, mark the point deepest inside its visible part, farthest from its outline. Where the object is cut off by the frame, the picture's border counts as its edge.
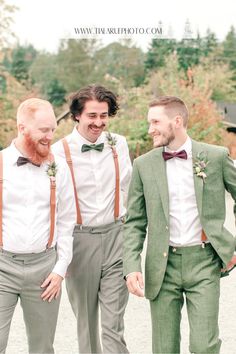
(52, 171)
(200, 164)
(111, 140)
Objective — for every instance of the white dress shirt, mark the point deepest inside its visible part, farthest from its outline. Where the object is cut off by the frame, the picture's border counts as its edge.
(95, 176)
(26, 208)
(185, 225)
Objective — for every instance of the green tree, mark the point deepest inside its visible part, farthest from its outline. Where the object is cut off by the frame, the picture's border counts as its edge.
(229, 49)
(157, 52)
(218, 76)
(189, 52)
(123, 61)
(75, 63)
(56, 93)
(209, 43)
(43, 71)
(21, 61)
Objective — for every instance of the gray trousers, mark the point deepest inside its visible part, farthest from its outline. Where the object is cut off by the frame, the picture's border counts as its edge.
(21, 276)
(95, 277)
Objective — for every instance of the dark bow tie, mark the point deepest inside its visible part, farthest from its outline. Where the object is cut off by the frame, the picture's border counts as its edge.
(97, 147)
(23, 160)
(169, 155)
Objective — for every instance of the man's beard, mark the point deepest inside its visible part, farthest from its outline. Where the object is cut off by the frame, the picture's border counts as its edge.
(166, 138)
(36, 152)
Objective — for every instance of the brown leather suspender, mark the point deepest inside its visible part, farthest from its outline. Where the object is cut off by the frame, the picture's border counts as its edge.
(1, 188)
(117, 190)
(52, 205)
(70, 164)
(117, 185)
(52, 202)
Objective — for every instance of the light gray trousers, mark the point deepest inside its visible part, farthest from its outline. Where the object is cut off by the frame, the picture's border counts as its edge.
(21, 276)
(95, 279)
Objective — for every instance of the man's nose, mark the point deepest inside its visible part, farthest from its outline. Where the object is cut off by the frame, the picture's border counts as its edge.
(98, 122)
(150, 130)
(49, 135)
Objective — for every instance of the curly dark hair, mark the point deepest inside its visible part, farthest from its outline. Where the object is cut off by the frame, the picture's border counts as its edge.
(93, 92)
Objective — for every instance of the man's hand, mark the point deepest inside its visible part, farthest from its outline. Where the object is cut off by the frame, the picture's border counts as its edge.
(52, 285)
(135, 284)
(231, 263)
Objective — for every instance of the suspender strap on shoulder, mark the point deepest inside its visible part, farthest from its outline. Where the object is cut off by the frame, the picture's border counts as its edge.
(70, 164)
(52, 206)
(117, 186)
(52, 203)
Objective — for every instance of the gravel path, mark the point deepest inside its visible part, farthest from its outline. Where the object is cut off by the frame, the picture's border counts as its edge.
(137, 320)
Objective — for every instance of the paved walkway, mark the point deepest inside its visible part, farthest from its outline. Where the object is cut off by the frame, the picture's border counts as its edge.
(137, 320)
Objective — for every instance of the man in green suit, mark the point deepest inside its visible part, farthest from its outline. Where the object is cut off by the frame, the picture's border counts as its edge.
(177, 192)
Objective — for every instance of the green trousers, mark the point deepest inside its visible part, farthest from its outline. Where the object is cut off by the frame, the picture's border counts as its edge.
(195, 272)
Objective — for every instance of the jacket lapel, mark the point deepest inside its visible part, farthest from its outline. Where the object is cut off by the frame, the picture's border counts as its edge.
(159, 172)
(198, 181)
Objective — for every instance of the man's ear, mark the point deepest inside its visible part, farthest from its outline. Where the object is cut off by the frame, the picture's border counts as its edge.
(178, 121)
(21, 128)
(77, 118)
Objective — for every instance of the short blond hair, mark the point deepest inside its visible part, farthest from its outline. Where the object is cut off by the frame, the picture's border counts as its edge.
(173, 105)
(28, 107)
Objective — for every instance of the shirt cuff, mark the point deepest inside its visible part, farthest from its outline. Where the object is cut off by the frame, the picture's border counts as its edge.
(126, 277)
(60, 268)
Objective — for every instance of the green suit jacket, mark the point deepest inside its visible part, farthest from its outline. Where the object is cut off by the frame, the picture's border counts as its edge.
(148, 211)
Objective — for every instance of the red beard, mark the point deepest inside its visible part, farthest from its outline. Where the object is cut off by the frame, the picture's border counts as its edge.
(35, 151)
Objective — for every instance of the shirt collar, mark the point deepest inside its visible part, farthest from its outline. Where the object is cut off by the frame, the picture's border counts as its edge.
(13, 153)
(187, 146)
(80, 140)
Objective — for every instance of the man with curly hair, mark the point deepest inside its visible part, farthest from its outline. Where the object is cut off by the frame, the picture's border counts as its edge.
(101, 169)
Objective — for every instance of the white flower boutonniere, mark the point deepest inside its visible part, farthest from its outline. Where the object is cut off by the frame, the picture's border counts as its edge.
(200, 164)
(111, 140)
(52, 171)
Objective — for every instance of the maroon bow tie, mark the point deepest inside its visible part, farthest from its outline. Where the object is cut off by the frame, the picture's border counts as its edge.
(169, 155)
(23, 160)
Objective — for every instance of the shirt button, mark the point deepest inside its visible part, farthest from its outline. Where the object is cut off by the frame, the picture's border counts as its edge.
(165, 254)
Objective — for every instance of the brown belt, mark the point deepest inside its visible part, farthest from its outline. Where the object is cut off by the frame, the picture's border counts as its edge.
(117, 182)
(52, 202)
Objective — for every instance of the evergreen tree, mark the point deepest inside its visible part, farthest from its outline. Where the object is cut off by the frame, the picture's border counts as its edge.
(22, 59)
(158, 51)
(209, 42)
(56, 93)
(189, 52)
(229, 50)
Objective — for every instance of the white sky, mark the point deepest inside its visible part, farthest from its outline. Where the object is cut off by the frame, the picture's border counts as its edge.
(44, 22)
